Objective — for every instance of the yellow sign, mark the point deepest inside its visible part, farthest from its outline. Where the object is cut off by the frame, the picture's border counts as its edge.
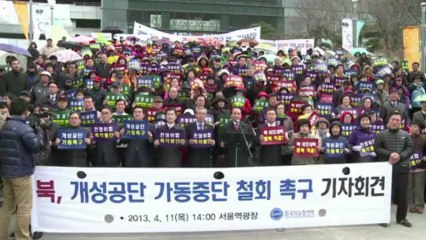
(21, 9)
(411, 40)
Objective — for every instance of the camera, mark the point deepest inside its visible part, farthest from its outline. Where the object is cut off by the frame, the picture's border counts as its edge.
(43, 113)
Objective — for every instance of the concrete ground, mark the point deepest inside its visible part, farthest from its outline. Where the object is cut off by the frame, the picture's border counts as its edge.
(373, 232)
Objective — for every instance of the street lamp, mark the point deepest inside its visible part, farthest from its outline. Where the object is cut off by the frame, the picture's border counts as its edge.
(52, 4)
(423, 37)
(354, 24)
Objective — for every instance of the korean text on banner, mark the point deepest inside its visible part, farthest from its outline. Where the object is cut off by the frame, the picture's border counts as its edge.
(304, 44)
(142, 30)
(180, 200)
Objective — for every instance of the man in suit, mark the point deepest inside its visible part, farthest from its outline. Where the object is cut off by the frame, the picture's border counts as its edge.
(170, 156)
(235, 137)
(393, 105)
(420, 116)
(51, 100)
(270, 155)
(199, 157)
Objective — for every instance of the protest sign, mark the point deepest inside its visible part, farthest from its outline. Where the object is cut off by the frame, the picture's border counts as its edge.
(144, 100)
(416, 160)
(184, 120)
(135, 129)
(72, 138)
(348, 128)
(260, 104)
(334, 148)
(202, 138)
(306, 147)
(273, 135)
(104, 132)
(259, 198)
(367, 147)
(324, 109)
(76, 104)
(169, 138)
(88, 118)
(177, 107)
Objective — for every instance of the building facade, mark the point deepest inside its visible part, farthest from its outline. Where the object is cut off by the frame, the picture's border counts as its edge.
(187, 17)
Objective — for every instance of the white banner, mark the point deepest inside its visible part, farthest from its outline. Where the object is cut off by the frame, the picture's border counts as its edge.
(347, 33)
(8, 13)
(304, 44)
(89, 200)
(42, 17)
(143, 31)
(252, 33)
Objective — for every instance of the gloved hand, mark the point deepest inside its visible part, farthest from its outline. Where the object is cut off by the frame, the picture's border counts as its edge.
(356, 148)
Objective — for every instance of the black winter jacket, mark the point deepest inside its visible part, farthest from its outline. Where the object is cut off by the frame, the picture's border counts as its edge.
(18, 143)
(389, 141)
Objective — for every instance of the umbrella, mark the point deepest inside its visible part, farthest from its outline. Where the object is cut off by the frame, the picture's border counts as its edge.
(104, 41)
(113, 30)
(270, 58)
(83, 39)
(329, 54)
(66, 55)
(163, 40)
(112, 59)
(14, 49)
(56, 33)
(252, 42)
(319, 50)
(421, 98)
(359, 50)
(69, 44)
(265, 47)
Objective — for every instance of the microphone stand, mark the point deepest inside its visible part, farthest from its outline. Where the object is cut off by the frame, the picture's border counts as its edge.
(246, 142)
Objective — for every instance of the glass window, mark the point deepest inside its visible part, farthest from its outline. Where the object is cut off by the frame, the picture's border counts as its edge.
(155, 21)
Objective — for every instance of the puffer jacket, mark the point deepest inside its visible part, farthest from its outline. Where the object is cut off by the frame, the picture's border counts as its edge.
(18, 143)
(39, 93)
(399, 141)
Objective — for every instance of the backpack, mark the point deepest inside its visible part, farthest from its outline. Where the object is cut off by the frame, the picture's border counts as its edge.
(417, 93)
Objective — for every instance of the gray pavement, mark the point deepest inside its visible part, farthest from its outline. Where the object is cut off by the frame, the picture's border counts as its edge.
(376, 232)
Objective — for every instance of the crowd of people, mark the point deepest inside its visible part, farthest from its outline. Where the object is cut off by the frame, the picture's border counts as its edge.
(359, 109)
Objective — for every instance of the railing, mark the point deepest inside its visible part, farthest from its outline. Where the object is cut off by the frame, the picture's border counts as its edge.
(272, 3)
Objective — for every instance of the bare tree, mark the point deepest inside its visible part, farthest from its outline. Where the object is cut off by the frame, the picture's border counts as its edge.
(389, 17)
(385, 17)
(323, 18)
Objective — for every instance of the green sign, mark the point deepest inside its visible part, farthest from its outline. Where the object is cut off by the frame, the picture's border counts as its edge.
(224, 119)
(112, 97)
(119, 119)
(125, 89)
(238, 101)
(145, 101)
(260, 104)
(61, 117)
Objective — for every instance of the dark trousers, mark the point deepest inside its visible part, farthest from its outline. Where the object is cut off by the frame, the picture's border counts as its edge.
(286, 159)
(399, 189)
